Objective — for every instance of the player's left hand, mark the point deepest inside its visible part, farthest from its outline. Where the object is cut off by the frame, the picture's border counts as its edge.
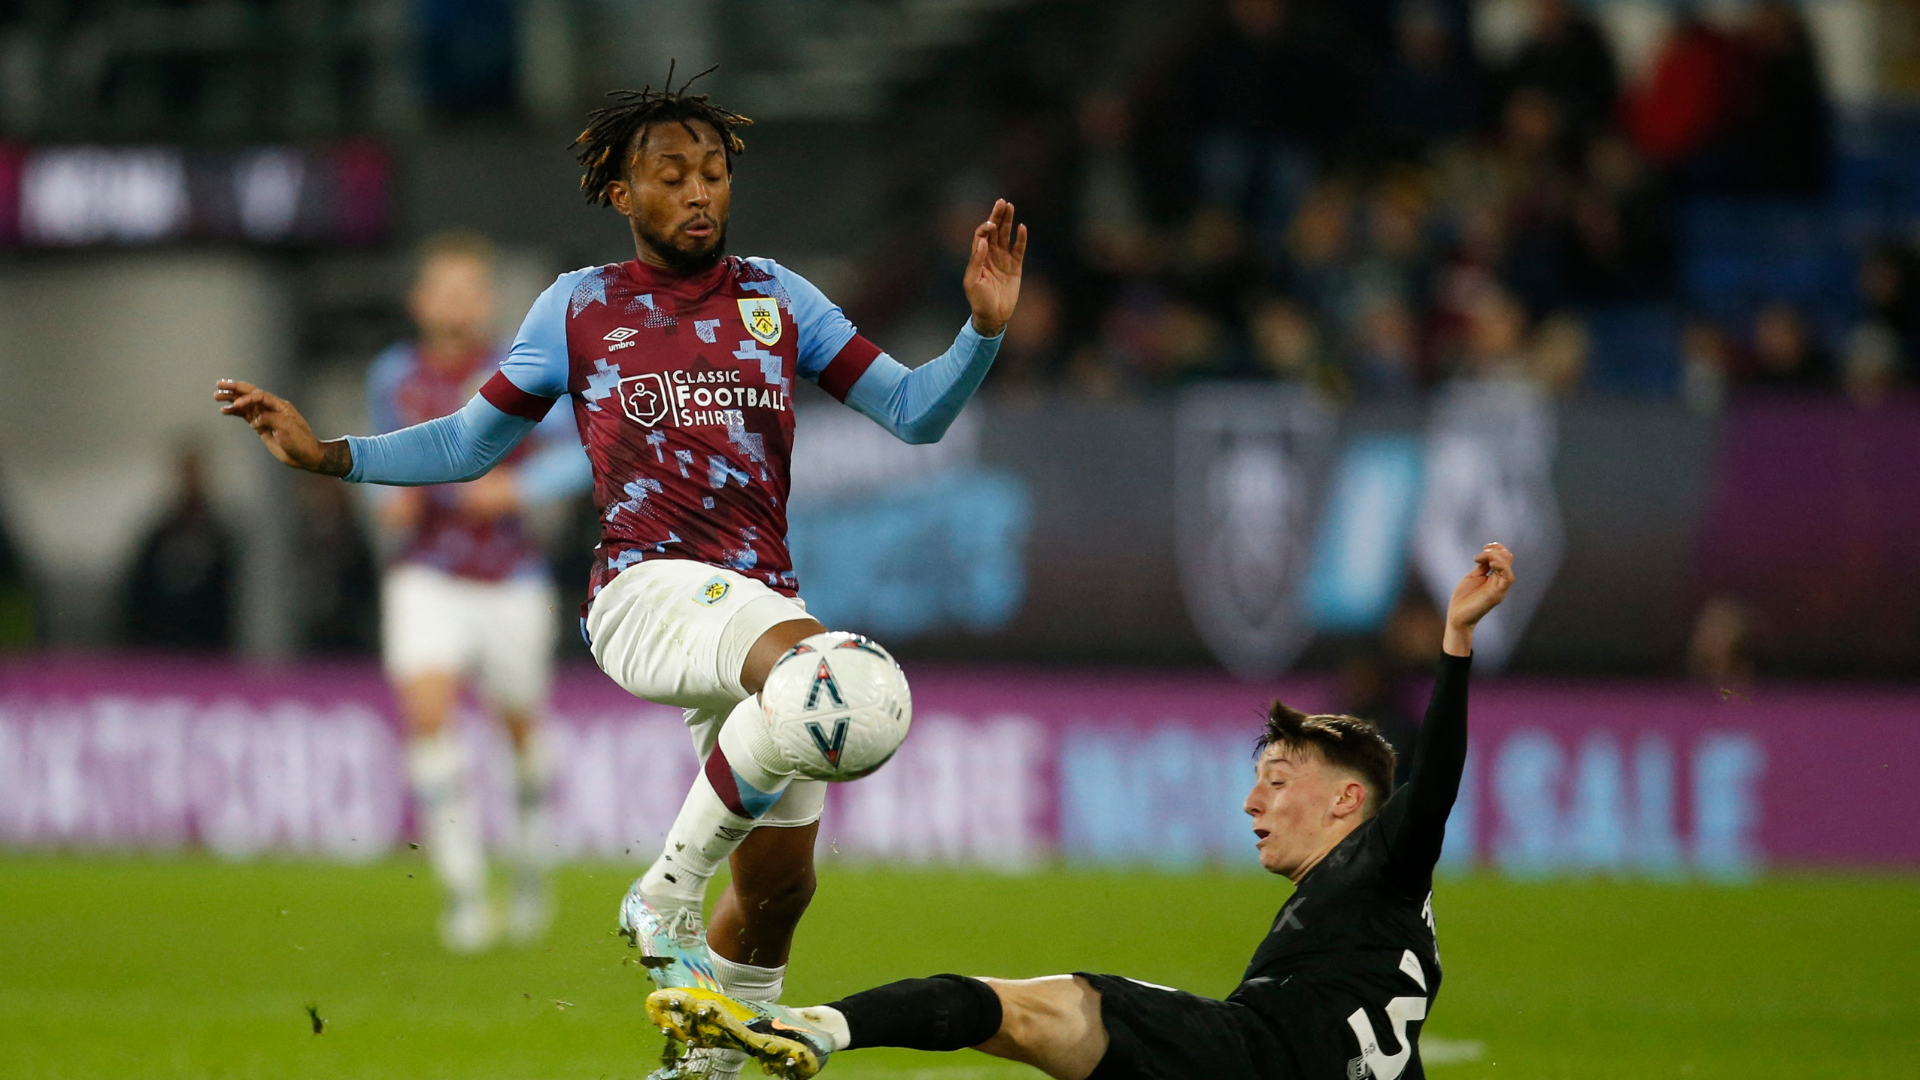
(1483, 588)
(992, 282)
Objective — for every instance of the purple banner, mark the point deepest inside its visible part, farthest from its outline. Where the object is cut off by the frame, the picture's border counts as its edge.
(1004, 768)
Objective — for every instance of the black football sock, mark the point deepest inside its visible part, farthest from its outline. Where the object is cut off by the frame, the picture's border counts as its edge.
(946, 1012)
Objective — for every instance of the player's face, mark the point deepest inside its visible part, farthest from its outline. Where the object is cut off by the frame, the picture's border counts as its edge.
(676, 196)
(453, 299)
(1300, 808)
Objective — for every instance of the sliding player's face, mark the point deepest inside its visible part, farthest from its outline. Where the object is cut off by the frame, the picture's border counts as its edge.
(676, 196)
(1300, 807)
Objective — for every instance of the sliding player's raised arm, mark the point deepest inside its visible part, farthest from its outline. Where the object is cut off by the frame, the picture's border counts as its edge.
(1414, 821)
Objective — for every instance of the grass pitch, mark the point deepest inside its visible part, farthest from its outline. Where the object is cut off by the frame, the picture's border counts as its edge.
(187, 967)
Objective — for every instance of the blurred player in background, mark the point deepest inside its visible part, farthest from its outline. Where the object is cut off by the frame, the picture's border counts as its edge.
(1339, 987)
(468, 597)
(681, 365)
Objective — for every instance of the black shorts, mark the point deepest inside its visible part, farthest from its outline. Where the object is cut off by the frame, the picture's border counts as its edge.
(1157, 1033)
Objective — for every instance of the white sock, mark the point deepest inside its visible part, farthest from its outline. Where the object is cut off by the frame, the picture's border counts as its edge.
(746, 982)
(449, 814)
(830, 1020)
(707, 828)
(532, 776)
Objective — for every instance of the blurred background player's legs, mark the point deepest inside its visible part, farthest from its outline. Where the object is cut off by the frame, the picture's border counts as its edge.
(436, 627)
(516, 646)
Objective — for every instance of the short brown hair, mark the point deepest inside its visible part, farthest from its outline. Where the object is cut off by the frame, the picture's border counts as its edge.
(455, 244)
(1345, 742)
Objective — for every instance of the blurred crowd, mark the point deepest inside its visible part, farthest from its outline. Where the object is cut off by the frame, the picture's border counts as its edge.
(1348, 194)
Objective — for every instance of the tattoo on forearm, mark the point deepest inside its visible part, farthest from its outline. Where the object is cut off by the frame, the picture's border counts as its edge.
(335, 458)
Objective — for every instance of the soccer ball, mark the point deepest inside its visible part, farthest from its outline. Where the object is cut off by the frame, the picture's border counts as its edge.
(838, 706)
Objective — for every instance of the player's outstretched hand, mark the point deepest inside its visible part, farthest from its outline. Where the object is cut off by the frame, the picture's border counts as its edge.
(282, 428)
(1478, 593)
(993, 269)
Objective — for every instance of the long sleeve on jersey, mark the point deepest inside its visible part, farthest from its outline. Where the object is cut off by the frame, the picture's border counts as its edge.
(917, 405)
(1414, 820)
(448, 450)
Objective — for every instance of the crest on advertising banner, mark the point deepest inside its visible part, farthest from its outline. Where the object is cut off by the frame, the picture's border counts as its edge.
(1249, 463)
(1490, 448)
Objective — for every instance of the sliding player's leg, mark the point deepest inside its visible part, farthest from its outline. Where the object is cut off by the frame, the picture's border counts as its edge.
(425, 644)
(1053, 1024)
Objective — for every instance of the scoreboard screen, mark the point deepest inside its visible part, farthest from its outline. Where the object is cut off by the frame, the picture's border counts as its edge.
(78, 196)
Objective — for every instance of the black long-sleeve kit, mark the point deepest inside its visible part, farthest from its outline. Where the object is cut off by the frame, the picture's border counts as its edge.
(1339, 987)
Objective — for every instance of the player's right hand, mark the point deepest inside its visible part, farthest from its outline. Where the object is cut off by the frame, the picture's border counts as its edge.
(281, 427)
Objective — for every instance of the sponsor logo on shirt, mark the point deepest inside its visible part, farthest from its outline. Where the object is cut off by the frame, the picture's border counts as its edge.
(762, 318)
(620, 336)
(693, 398)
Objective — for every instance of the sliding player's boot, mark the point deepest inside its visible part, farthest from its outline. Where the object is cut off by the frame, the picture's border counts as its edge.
(672, 942)
(782, 1040)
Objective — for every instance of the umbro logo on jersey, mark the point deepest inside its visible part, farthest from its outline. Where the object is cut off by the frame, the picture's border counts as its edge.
(621, 333)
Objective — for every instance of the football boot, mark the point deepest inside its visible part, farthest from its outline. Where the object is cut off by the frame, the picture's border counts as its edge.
(782, 1040)
(672, 942)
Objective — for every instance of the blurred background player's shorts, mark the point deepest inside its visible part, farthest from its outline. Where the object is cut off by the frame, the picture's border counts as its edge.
(501, 633)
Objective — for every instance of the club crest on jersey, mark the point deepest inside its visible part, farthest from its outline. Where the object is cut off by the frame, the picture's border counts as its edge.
(829, 748)
(823, 679)
(714, 591)
(762, 318)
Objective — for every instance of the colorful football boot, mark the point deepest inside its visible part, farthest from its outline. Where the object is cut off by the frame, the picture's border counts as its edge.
(782, 1040)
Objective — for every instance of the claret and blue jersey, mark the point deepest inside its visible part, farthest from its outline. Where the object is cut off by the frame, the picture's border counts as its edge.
(682, 390)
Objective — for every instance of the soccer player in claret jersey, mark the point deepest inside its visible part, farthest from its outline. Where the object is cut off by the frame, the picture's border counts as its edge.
(467, 594)
(680, 366)
(1337, 990)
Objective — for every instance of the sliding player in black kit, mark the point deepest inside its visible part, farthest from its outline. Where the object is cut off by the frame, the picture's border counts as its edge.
(1336, 991)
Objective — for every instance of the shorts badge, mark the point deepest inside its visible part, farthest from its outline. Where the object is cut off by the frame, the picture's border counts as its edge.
(762, 318)
(714, 591)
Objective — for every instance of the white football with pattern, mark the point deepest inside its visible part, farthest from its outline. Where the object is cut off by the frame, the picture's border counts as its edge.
(838, 706)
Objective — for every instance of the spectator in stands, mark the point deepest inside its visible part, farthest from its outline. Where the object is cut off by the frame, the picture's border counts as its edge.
(16, 595)
(1497, 327)
(1029, 357)
(1285, 342)
(1704, 366)
(1783, 135)
(1720, 652)
(1115, 235)
(180, 592)
(1557, 353)
(1616, 245)
(1281, 79)
(1427, 94)
(1567, 59)
(1785, 354)
(1683, 107)
(1320, 257)
(1872, 365)
(1890, 295)
(336, 595)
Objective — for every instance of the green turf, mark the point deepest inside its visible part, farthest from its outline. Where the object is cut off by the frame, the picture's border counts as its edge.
(160, 968)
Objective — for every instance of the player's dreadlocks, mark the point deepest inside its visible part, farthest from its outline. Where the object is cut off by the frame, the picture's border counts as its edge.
(605, 144)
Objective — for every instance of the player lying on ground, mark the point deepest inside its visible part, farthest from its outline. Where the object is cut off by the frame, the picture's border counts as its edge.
(1337, 990)
(680, 365)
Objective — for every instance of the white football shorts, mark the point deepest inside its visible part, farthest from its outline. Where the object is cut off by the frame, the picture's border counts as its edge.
(499, 633)
(677, 632)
